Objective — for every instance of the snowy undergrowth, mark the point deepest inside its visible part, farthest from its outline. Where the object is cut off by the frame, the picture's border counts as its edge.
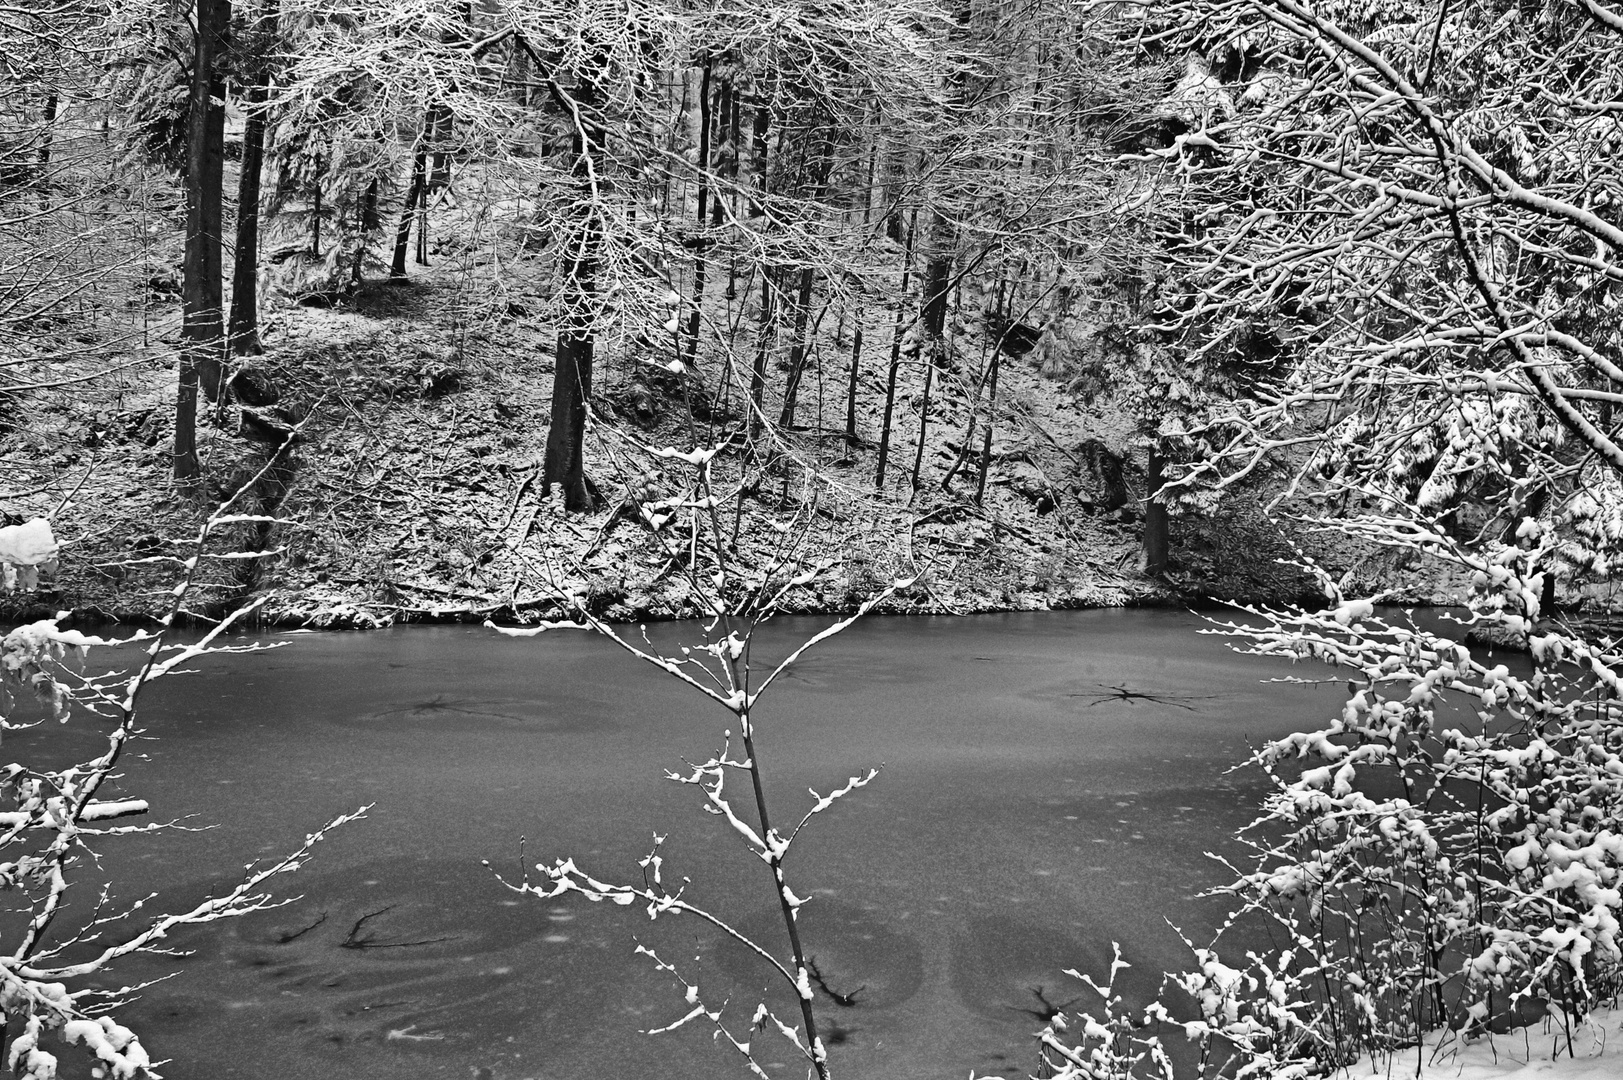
(1444, 855)
(1554, 1049)
(1587, 1050)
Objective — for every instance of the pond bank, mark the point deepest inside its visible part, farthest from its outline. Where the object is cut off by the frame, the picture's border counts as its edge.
(412, 494)
(320, 571)
(1010, 572)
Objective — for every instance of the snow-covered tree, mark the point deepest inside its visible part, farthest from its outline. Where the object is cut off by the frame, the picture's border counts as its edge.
(1418, 207)
(64, 924)
(719, 662)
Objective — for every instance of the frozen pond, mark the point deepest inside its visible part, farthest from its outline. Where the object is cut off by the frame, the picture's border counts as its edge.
(1051, 783)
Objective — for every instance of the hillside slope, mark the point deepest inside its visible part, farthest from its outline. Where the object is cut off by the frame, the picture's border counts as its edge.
(412, 489)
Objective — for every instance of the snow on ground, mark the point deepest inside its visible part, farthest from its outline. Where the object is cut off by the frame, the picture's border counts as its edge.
(1540, 1052)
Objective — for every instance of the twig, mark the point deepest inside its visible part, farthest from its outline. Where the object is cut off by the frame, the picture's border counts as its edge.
(353, 941)
(284, 938)
(843, 1000)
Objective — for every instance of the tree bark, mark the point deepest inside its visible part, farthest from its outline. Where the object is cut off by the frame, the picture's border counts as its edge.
(366, 222)
(895, 361)
(521, 76)
(571, 389)
(941, 239)
(771, 283)
(763, 349)
(924, 427)
(732, 107)
(51, 104)
(51, 101)
(758, 154)
(244, 324)
(703, 200)
(851, 387)
(868, 189)
(798, 350)
(998, 317)
(572, 375)
(936, 284)
(203, 325)
(444, 127)
(991, 419)
(1157, 531)
(414, 191)
(727, 159)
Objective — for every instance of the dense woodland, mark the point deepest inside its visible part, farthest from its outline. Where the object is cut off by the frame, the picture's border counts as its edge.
(611, 311)
(905, 270)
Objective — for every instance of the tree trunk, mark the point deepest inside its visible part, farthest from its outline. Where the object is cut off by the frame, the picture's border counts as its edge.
(366, 222)
(998, 317)
(851, 387)
(732, 106)
(315, 213)
(894, 166)
(942, 238)
(799, 350)
(1157, 539)
(245, 261)
(991, 420)
(770, 275)
(890, 394)
(735, 144)
(924, 426)
(244, 325)
(572, 375)
(414, 192)
(421, 258)
(202, 326)
(868, 189)
(571, 389)
(758, 149)
(444, 122)
(936, 284)
(727, 160)
(51, 103)
(521, 76)
(703, 199)
(895, 361)
(933, 320)
(763, 349)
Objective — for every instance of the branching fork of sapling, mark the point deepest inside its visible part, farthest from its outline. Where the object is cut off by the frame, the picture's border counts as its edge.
(51, 822)
(721, 670)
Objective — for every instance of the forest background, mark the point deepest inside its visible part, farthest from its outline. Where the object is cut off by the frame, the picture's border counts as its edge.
(611, 311)
(912, 271)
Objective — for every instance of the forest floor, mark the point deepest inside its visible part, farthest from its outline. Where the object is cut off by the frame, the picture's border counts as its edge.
(413, 489)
